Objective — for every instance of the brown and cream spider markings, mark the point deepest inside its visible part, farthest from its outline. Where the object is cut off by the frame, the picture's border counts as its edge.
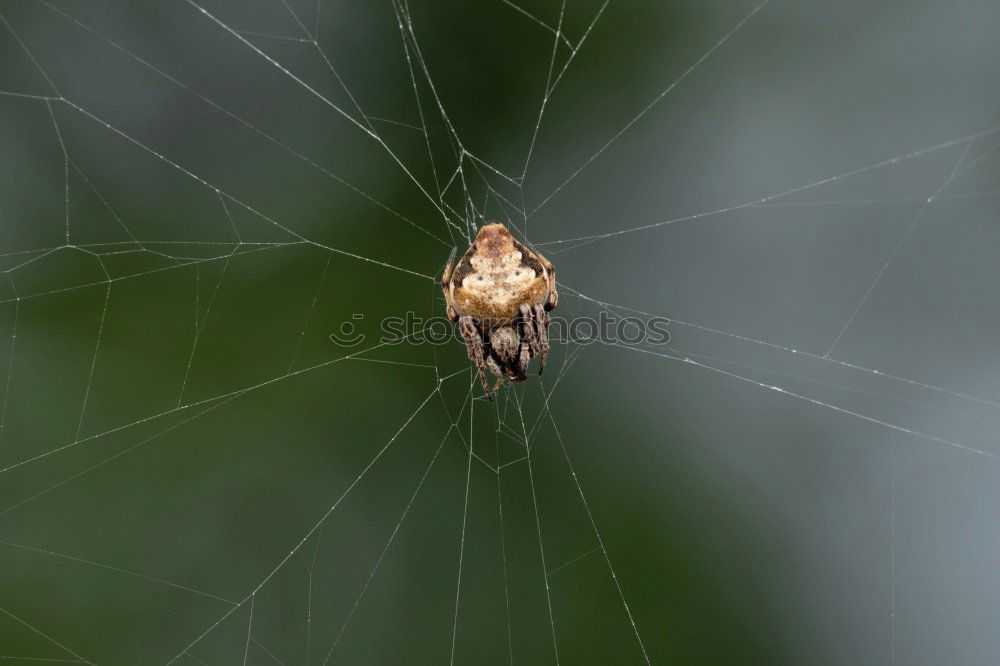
(500, 293)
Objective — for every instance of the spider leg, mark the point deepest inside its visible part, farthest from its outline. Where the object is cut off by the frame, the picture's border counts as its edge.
(529, 330)
(542, 321)
(550, 271)
(497, 370)
(524, 357)
(494, 367)
(446, 284)
(474, 341)
(447, 268)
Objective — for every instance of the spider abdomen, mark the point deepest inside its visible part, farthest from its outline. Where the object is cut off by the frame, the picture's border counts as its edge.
(495, 297)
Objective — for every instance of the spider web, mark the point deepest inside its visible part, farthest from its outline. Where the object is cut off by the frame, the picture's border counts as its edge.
(198, 194)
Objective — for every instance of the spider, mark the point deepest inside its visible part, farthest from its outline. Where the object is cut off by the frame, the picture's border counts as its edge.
(500, 293)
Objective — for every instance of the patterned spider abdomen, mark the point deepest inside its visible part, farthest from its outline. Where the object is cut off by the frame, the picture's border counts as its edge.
(495, 276)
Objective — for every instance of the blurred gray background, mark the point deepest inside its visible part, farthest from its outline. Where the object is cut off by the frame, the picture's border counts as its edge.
(194, 197)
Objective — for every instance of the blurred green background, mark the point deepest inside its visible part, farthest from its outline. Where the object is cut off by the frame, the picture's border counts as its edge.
(191, 471)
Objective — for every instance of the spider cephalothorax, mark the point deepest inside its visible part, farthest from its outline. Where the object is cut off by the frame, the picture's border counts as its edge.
(500, 294)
